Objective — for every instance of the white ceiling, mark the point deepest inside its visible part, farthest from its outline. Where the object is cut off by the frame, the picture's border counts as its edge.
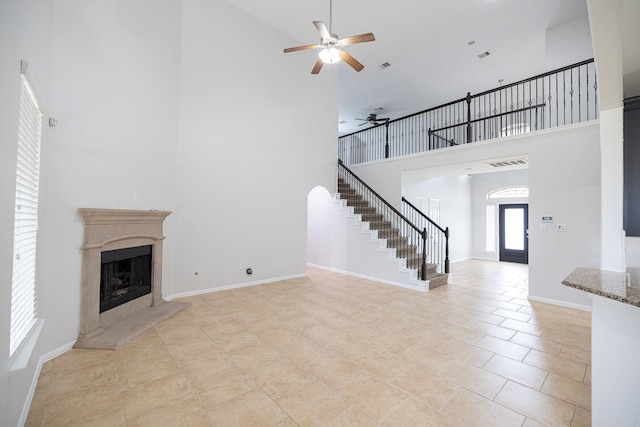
(427, 44)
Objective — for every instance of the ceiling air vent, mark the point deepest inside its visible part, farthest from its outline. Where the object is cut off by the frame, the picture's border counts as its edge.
(484, 54)
(501, 164)
(385, 65)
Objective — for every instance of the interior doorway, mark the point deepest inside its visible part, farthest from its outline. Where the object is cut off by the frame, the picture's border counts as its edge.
(514, 233)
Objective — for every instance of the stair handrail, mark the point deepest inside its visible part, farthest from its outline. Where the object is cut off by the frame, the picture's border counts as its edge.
(422, 233)
(444, 231)
(434, 133)
(438, 226)
(379, 197)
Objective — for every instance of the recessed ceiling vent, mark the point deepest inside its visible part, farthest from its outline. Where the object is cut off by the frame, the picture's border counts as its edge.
(484, 54)
(385, 65)
(515, 162)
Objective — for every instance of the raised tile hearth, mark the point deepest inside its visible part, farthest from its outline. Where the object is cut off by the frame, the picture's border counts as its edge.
(108, 230)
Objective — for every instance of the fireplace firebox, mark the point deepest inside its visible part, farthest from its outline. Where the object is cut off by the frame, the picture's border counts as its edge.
(126, 274)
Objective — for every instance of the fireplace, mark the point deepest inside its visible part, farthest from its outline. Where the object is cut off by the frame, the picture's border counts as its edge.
(125, 275)
(121, 285)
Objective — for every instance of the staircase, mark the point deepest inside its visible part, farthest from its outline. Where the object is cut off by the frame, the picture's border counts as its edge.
(392, 235)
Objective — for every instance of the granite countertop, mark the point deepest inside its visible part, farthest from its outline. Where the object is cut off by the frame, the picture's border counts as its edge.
(609, 284)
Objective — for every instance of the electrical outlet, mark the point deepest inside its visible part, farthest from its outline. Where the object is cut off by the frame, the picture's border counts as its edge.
(135, 199)
(561, 227)
(120, 199)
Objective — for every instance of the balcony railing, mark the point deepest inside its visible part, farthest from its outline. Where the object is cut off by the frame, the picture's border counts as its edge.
(561, 97)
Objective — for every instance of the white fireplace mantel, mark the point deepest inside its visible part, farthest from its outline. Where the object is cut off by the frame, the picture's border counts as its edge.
(111, 229)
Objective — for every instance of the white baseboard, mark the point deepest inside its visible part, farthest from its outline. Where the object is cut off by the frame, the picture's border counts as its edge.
(560, 303)
(34, 381)
(419, 287)
(485, 258)
(55, 353)
(234, 286)
(451, 261)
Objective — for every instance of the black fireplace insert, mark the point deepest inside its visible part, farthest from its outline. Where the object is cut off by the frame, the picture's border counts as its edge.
(125, 275)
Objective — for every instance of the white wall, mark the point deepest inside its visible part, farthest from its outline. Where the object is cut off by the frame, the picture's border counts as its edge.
(24, 34)
(189, 105)
(615, 373)
(454, 194)
(564, 181)
(615, 345)
(568, 43)
(463, 205)
(605, 21)
(339, 241)
(632, 252)
(481, 184)
(114, 91)
(257, 133)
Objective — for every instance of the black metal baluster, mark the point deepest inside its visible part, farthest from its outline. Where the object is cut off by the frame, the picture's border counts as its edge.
(571, 92)
(468, 136)
(587, 90)
(564, 99)
(557, 104)
(594, 86)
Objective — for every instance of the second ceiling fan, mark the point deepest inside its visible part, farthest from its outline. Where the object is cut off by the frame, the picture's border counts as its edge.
(373, 119)
(331, 46)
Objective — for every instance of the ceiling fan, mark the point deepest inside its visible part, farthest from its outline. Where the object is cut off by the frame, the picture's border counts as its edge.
(373, 120)
(331, 46)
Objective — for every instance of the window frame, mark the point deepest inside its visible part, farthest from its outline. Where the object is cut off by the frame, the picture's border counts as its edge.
(23, 318)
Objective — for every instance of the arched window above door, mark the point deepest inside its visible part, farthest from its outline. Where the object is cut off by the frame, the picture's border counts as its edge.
(509, 192)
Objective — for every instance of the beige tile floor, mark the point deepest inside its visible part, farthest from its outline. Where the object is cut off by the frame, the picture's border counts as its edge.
(334, 350)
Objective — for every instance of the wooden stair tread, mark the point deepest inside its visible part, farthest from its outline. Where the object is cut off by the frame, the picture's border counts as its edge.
(392, 235)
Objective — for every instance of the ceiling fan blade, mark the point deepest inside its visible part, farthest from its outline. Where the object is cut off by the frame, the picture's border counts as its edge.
(324, 33)
(351, 60)
(317, 67)
(305, 47)
(360, 38)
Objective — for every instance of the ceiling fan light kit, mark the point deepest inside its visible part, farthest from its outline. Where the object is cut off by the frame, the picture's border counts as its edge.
(332, 46)
(329, 55)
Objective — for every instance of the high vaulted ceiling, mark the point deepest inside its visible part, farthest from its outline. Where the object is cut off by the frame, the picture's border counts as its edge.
(432, 47)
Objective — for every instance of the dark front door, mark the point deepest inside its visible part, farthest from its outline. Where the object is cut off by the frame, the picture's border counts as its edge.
(514, 241)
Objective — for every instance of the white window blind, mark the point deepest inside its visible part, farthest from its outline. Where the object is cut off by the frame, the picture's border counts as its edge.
(23, 295)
